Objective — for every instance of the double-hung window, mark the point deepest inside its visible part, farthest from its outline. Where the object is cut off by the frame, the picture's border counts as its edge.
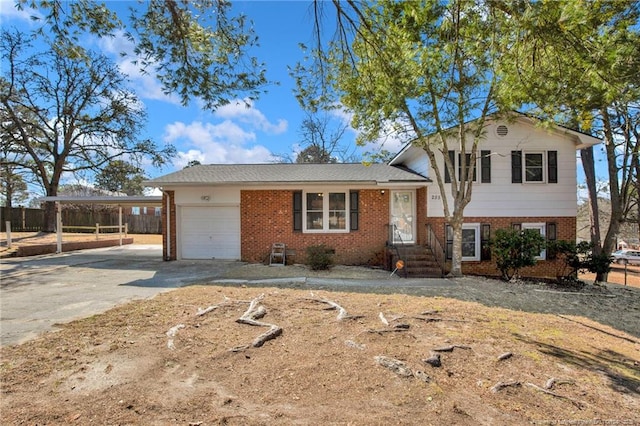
(484, 167)
(534, 166)
(325, 211)
(475, 241)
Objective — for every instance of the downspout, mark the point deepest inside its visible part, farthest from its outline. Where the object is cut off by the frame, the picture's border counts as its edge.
(168, 227)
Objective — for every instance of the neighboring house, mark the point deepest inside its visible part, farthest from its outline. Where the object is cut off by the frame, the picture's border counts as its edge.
(525, 178)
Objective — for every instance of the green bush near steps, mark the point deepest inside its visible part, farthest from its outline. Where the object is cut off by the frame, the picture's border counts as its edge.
(319, 257)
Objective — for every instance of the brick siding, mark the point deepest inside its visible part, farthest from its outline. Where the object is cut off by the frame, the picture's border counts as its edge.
(266, 217)
(565, 229)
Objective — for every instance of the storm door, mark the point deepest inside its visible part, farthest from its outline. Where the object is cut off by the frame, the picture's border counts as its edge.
(402, 217)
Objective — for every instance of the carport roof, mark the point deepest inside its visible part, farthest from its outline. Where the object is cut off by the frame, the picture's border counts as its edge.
(129, 201)
(288, 174)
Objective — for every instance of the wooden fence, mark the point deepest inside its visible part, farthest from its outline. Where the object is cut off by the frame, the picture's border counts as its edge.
(32, 220)
(22, 219)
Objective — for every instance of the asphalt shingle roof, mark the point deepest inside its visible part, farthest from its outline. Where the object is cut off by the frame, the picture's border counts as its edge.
(286, 173)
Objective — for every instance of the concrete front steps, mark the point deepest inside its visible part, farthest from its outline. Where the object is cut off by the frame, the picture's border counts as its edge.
(419, 261)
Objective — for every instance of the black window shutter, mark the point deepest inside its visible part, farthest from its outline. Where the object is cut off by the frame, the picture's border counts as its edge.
(354, 202)
(297, 211)
(449, 244)
(447, 176)
(485, 236)
(485, 166)
(516, 166)
(552, 236)
(552, 166)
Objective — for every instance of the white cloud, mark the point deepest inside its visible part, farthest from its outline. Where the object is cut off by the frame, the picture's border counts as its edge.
(214, 144)
(146, 85)
(245, 112)
(200, 134)
(8, 11)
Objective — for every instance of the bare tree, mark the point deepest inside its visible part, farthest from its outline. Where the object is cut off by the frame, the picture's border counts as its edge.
(68, 114)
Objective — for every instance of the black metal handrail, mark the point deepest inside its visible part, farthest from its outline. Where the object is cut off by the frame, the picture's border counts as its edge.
(391, 243)
(436, 248)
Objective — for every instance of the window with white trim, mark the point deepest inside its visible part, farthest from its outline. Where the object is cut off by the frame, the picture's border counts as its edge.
(483, 165)
(541, 228)
(534, 166)
(326, 212)
(470, 242)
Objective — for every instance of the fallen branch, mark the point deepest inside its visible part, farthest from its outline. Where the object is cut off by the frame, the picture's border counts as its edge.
(401, 368)
(395, 365)
(250, 317)
(383, 319)
(553, 381)
(501, 385)
(388, 330)
(273, 332)
(504, 356)
(171, 334)
(432, 319)
(354, 345)
(450, 348)
(225, 302)
(205, 311)
(428, 319)
(577, 403)
(342, 312)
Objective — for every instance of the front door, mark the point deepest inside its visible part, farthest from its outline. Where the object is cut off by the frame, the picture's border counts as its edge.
(402, 216)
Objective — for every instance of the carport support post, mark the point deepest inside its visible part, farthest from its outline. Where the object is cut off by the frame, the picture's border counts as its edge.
(8, 228)
(120, 222)
(59, 226)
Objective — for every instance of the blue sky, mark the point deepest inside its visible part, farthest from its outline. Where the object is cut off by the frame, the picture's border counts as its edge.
(233, 133)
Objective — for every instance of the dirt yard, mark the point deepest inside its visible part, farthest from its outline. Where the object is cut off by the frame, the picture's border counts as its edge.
(306, 361)
(239, 355)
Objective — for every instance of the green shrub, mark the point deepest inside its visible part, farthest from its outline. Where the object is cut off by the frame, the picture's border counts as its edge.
(515, 249)
(578, 258)
(319, 257)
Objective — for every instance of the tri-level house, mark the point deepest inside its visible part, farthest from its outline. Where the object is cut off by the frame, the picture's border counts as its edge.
(526, 177)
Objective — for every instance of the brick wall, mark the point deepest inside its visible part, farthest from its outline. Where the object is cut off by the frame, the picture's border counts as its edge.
(566, 230)
(266, 217)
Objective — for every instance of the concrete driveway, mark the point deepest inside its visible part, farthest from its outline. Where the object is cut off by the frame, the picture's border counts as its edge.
(36, 293)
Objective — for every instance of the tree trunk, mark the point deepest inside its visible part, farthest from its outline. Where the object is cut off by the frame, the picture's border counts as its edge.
(614, 191)
(49, 224)
(588, 164)
(456, 258)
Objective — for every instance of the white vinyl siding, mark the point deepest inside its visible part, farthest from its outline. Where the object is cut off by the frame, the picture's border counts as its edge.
(503, 198)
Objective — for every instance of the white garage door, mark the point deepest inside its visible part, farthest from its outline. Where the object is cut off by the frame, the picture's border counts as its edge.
(210, 232)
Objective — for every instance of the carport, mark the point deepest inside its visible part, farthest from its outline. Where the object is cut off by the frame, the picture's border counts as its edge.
(134, 201)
